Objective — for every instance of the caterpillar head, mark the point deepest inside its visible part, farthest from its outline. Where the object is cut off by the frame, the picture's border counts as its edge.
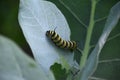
(49, 33)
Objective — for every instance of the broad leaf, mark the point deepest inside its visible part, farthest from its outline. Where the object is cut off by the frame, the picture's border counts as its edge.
(16, 65)
(36, 17)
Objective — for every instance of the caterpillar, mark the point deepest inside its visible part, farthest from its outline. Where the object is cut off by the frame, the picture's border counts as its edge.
(58, 41)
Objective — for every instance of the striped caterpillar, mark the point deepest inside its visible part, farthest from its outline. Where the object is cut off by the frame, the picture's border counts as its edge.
(71, 45)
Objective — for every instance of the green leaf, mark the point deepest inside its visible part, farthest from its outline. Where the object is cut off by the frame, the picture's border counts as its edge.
(16, 65)
(108, 69)
(36, 17)
(92, 61)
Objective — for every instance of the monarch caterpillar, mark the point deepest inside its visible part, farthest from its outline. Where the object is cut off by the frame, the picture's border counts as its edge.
(71, 45)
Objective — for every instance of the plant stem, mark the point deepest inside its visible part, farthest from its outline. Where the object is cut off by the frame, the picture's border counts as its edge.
(88, 36)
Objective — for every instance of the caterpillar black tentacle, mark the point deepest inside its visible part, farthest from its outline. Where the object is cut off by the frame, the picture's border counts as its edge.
(71, 45)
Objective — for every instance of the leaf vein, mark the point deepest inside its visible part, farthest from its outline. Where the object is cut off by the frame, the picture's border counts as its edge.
(80, 21)
(109, 60)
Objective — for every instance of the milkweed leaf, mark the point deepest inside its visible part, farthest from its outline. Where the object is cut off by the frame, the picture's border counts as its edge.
(35, 18)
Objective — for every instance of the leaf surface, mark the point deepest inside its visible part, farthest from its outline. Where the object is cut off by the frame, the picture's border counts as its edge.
(92, 61)
(36, 17)
(16, 65)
